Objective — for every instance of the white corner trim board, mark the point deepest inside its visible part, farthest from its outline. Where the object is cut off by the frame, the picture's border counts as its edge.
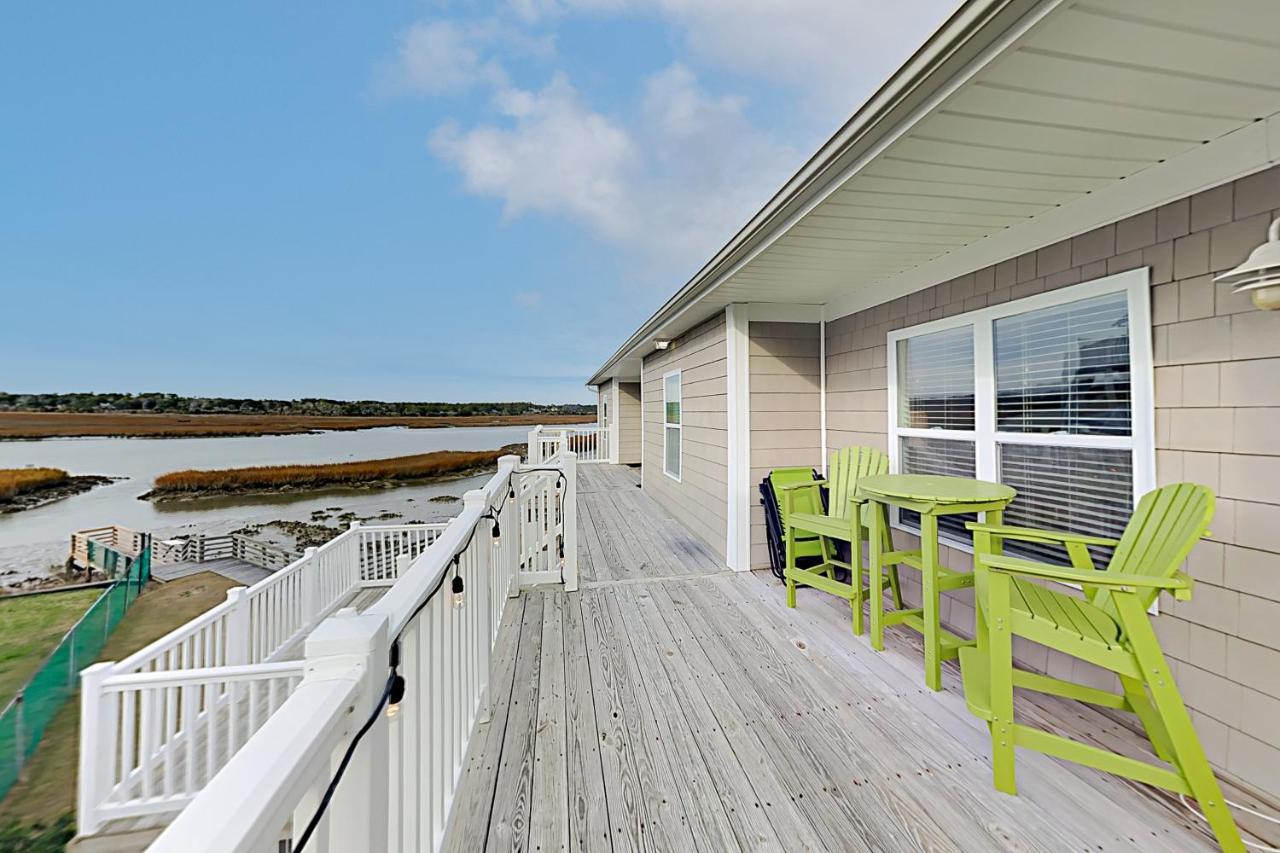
(738, 490)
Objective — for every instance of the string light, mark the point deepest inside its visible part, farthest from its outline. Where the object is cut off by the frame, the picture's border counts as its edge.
(397, 694)
(395, 690)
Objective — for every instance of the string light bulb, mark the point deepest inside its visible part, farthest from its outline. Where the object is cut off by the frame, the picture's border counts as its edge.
(459, 594)
(396, 696)
(497, 533)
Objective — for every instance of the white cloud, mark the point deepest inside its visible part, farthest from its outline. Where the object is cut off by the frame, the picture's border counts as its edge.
(439, 57)
(675, 172)
(451, 57)
(555, 155)
(673, 180)
(833, 54)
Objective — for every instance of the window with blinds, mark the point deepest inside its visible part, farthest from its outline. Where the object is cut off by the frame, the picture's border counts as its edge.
(1081, 489)
(938, 456)
(935, 380)
(1050, 395)
(672, 426)
(1065, 369)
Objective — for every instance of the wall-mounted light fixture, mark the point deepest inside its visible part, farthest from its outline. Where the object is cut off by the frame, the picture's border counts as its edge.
(661, 343)
(1259, 275)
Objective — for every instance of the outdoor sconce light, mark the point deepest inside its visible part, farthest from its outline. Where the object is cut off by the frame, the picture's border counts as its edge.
(1259, 275)
(661, 343)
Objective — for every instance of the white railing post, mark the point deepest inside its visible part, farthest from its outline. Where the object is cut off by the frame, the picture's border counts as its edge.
(238, 627)
(357, 816)
(569, 520)
(533, 454)
(310, 589)
(98, 747)
(509, 553)
(357, 550)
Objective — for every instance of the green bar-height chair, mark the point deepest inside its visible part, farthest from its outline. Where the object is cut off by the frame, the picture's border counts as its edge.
(1108, 627)
(845, 520)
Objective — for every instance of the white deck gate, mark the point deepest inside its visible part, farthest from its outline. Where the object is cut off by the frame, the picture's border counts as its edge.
(215, 722)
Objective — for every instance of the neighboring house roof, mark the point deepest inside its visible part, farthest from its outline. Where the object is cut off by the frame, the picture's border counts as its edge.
(1017, 124)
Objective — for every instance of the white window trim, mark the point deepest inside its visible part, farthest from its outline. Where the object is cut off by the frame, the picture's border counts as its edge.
(666, 426)
(1136, 285)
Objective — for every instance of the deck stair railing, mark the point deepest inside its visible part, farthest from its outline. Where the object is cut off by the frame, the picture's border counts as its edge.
(442, 617)
(90, 548)
(229, 546)
(590, 443)
(162, 724)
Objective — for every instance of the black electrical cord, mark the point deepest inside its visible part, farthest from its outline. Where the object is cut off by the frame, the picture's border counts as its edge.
(392, 681)
(457, 555)
(394, 690)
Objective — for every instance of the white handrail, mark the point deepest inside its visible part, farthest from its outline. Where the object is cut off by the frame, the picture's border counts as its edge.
(398, 792)
(590, 442)
(255, 628)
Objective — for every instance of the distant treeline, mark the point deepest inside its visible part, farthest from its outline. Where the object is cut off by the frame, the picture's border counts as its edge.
(175, 403)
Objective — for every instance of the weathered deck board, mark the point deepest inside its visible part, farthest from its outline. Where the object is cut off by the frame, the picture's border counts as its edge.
(671, 705)
(513, 792)
(236, 570)
(550, 773)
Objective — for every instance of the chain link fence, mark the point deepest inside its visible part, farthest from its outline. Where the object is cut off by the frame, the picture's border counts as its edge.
(24, 719)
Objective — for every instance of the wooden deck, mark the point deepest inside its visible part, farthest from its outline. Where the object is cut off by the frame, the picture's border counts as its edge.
(623, 535)
(236, 570)
(673, 706)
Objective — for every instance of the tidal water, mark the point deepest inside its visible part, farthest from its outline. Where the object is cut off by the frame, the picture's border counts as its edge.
(33, 540)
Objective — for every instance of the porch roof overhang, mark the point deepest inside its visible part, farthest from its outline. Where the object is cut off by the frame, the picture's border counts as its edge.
(1017, 124)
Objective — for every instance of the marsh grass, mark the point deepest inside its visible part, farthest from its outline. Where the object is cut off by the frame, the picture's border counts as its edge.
(16, 481)
(270, 477)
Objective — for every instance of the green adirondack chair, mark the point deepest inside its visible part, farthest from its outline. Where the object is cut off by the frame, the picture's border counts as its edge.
(1108, 627)
(845, 520)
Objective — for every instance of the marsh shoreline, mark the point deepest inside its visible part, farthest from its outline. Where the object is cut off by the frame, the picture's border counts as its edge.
(55, 492)
(30, 426)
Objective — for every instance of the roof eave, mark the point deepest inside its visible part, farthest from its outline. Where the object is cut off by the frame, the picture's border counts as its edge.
(926, 71)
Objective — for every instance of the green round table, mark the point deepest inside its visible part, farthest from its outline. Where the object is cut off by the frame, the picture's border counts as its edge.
(931, 496)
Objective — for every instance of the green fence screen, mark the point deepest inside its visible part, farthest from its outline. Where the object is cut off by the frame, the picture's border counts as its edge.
(24, 719)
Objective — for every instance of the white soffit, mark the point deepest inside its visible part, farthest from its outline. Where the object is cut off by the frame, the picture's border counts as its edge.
(1093, 95)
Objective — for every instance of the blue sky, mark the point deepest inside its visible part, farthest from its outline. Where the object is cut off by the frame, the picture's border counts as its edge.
(414, 200)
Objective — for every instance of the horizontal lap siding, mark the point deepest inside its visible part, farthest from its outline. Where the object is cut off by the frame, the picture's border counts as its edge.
(629, 423)
(699, 499)
(785, 409)
(1217, 398)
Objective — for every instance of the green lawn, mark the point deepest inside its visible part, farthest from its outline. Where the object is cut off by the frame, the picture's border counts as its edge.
(30, 628)
(49, 792)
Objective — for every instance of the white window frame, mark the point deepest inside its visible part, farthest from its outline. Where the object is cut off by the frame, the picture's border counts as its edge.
(665, 426)
(984, 436)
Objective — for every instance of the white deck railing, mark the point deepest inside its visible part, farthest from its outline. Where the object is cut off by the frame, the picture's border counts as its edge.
(590, 443)
(142, 715)
(235, 546)
(398, 790)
